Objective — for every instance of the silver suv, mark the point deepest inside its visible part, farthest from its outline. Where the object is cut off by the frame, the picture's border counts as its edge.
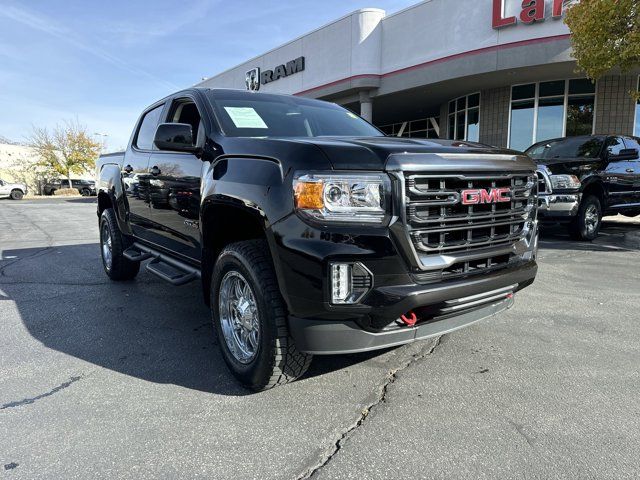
(13, 190)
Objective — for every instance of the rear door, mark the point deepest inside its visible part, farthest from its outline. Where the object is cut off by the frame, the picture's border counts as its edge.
(633, 168)
(175, 184)
(618, 177)
(136, 176)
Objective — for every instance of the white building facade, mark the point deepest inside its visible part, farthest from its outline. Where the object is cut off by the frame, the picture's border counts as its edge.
(484, 70)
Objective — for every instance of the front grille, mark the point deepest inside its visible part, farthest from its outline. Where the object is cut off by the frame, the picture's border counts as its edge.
(478, 237)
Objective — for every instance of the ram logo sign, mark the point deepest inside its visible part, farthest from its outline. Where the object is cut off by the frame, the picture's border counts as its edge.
(252, 79)
(268, 76)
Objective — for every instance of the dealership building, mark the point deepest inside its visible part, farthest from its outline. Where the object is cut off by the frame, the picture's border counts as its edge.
(496, 71)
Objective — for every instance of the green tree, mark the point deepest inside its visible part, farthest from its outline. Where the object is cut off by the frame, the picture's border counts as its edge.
(605, 34)
(67, 150)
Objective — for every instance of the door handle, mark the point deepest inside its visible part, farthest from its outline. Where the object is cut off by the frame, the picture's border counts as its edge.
(155, 171)
(128, 169)
(630, 170)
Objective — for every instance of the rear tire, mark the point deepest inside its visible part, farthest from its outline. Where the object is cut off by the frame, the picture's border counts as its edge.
(256, 312)
(17, 194)
(85, 192)
(112, 244)
(587, 223)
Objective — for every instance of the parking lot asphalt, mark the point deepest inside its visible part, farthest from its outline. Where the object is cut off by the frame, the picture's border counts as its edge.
(107, 380)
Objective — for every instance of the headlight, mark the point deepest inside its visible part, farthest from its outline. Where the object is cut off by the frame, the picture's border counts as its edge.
(343, 197)
(564, 181)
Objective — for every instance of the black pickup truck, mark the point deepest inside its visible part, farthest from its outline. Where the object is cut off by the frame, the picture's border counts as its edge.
(583, 178)
(312, 232)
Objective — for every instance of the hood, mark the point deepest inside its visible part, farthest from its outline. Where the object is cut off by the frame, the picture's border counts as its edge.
(568, 165)
(372, 153)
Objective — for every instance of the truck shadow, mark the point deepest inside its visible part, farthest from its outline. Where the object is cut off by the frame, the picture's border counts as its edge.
(614, 236)
(143, 328)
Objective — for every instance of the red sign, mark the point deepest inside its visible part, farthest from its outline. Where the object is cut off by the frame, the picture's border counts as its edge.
(532, 11)
(493, 195)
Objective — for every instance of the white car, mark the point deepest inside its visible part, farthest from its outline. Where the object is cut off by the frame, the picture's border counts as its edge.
(13, 190)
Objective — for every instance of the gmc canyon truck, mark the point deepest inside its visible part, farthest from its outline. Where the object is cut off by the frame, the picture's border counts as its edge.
(584, 178)
(310, 231)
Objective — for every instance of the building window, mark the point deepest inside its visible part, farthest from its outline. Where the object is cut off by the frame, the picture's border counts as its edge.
(545, 110)
(464, 118)
(636, 130)
(425, 128)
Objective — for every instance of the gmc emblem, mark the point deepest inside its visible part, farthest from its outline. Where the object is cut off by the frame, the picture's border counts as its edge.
(480, 195)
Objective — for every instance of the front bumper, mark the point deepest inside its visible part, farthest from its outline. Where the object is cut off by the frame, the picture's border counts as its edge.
(443, 307)
(563, 205)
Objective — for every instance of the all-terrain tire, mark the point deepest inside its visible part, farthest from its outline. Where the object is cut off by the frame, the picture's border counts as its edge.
(586, 225)
(277, 360)
(16, 194)
(118, 268)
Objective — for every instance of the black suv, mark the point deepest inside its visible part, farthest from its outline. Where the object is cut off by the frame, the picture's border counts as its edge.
(86, 188)
(583, 178)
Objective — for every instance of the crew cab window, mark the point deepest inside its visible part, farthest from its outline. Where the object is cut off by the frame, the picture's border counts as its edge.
(576, 147)
(614, 146)
(186, 111)
(280, 116)
(632, 142)
(147, 130)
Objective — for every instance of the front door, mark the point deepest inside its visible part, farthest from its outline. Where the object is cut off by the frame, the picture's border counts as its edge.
(4, 189)
(175, 187)
(135, 175)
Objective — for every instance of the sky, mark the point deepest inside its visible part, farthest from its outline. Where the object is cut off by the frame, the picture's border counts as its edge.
(102, 62)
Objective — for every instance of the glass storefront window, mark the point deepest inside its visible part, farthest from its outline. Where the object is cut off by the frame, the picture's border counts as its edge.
(637, 124)
(464, 118)
(547, 110)
(423, 128)
(580, 115)
(522, 116)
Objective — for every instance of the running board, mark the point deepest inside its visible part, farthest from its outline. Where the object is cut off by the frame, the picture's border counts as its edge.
(163, 266)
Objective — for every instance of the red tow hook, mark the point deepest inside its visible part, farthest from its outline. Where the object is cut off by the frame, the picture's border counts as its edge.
(409, 320)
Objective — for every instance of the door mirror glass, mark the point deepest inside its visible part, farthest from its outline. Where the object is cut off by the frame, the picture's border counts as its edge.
(177, 137)
(626, 154)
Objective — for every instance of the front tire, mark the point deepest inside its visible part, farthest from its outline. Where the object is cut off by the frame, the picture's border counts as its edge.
(85, 192)
(250, 318)
(588, 221)
(17, 194)
(112, 244)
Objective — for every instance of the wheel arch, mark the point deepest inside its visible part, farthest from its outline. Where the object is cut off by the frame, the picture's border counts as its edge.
(224, 221)
(595, 187)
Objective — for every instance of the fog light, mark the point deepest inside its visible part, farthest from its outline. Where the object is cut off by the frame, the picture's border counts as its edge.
(349, 282)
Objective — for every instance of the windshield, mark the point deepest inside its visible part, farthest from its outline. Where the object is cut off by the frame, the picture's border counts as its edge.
(567, 148)
(281, 116)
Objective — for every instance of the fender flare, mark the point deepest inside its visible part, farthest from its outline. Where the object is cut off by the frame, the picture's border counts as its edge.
(110, 184)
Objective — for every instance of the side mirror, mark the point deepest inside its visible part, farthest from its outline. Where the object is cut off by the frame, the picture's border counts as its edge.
(626, 154)
(177, 137)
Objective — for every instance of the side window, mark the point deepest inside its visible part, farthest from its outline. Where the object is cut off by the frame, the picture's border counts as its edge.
(632, 143)
(614, 145)
(147, 130)
(186, 111)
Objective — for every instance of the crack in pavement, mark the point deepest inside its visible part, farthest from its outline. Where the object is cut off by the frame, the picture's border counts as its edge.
(53, 391)
(365, 412)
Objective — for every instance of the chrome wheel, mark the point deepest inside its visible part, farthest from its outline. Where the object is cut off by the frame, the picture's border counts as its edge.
(239, 319)
(107, 246)
(591, 219)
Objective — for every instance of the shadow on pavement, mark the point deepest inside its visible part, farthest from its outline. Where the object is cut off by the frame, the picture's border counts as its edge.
(614, 236)
(144, 328)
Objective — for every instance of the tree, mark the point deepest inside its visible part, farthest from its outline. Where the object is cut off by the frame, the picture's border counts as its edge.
(605, 34)
(67, 150)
